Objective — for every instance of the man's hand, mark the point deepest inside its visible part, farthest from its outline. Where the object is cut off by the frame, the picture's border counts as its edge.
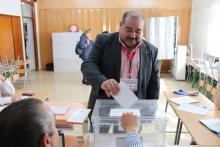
(111, 87)
(129, 122)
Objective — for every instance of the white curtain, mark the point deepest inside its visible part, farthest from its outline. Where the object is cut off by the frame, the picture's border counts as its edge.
(205, 28)
(162, 33)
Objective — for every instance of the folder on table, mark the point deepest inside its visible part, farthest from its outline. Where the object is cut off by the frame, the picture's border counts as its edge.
(212, 124)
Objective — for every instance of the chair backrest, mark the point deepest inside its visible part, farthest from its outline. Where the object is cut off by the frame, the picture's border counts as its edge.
(208, 87)
(15, 77)
(214, 92)
(201, 82)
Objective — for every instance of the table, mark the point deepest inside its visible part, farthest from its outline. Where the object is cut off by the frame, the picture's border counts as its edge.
(62, 119)
(42, 95)
(199, 132)
(75, 136)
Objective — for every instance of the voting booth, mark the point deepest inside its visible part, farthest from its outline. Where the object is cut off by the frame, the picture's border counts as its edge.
(109, 133)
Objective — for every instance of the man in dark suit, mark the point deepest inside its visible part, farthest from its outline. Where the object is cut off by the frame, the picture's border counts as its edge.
(123, 55)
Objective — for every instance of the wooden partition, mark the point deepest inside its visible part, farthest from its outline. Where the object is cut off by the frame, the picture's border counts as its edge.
(10, 37)
(59, 20)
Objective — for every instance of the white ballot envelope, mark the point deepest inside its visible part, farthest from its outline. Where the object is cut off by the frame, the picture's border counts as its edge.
(126, 98)
(119, 112)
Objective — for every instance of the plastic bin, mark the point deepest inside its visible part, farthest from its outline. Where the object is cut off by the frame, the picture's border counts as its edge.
(108, 132)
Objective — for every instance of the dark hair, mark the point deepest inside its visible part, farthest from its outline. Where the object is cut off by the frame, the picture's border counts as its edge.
(132, 14)
(23, 123)
(86, 31)
(104, 32)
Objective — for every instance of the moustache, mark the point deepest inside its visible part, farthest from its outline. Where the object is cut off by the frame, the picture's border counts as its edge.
(131, 39)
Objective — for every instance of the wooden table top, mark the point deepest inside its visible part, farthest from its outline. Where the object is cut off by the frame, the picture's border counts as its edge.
(62, 119)
(199, 132)
(203, 101)
(42, 95)
(191, 121)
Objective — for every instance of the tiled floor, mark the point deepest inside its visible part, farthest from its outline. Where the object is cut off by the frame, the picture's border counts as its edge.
(68, 87)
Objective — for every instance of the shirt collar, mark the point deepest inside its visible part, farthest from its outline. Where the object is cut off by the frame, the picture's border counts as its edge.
(126, 46)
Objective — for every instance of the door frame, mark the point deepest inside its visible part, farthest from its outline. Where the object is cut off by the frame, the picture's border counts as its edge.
(34, 31)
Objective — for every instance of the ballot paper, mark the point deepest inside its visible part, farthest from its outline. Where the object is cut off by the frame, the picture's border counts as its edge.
(119, 112)
(2, 107)
(25, 97)
(212, 124)
(193, 109)
(5, 100)
(79, 115)
(59, 110)
(126, 98)
(183, 100)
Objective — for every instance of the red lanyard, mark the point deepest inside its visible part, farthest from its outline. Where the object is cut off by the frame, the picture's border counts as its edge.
(130, 56)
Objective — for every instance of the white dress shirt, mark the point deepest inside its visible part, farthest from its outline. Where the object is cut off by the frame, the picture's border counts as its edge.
(7, 88)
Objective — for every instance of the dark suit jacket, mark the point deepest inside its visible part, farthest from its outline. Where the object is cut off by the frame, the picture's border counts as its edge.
(104, 62)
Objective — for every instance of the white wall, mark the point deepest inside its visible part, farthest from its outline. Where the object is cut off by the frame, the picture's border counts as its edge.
(10, 7)
(204, 29)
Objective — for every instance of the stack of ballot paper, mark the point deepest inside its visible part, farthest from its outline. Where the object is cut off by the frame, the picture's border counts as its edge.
(2, 107)
(183, 100)
(185, 104)
(79, 115)
(119, 112)
(59, 110)
(193, 109)
(5, 100)
(212, 124)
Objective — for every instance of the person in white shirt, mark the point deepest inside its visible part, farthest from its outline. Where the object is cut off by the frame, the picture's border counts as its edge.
(129, 123)
(6, 87)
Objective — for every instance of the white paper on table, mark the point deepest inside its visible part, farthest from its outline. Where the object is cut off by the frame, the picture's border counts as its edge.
(193, 109)
(2, 107)
(79, 115)
(5, 100)
(119, 112)
(183, 100)
(126, 98)
(59, 110)
(212, 124)
(24, 97)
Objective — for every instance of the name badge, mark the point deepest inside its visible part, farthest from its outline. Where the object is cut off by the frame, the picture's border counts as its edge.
(132, 83)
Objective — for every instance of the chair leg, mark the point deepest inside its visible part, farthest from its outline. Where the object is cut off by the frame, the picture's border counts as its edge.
(166, 106)
(62, 137)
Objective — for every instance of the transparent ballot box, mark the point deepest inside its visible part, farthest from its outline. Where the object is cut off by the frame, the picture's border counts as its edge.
(109, 133)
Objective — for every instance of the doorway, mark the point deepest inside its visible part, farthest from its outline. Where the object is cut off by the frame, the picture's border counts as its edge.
(29, 35)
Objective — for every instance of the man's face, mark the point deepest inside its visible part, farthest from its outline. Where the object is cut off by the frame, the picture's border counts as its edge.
(89, 35)
(131, 31)
(54, 137)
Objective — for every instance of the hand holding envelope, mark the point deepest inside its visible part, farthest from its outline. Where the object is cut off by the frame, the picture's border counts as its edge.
(111, 87)
(125, 97)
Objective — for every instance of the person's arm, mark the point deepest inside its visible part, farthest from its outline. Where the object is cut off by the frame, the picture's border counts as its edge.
(129, 123)
(91, 67)
(7, 88)
(133, 140)
(92, 72)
